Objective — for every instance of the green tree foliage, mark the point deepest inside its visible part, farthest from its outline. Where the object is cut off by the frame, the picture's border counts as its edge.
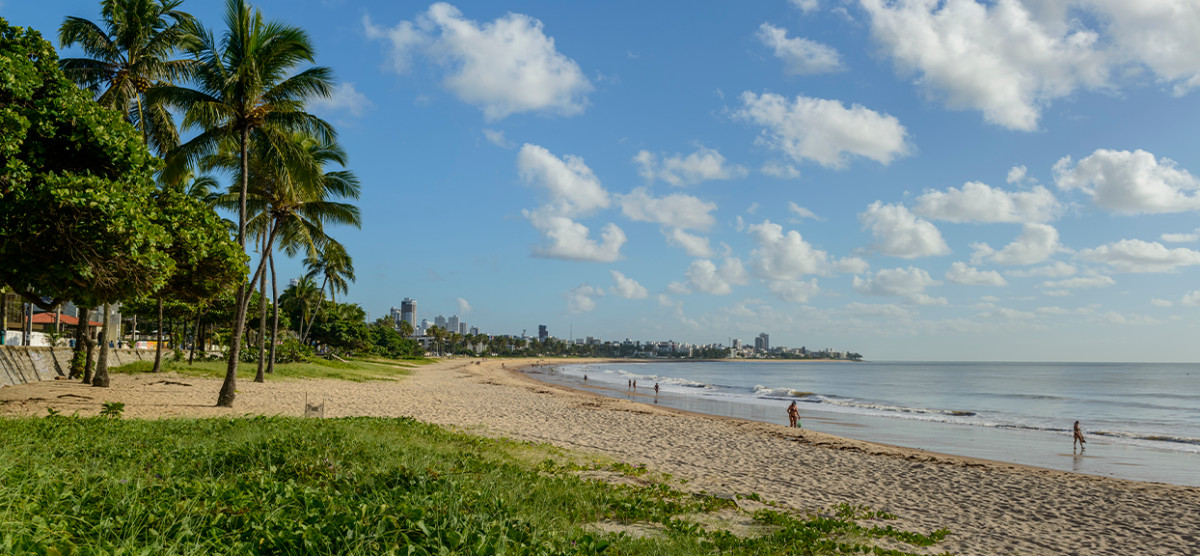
(387, 342)
(75, 179)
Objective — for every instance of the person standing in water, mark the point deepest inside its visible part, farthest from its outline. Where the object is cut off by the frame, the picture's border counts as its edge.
(793, 415)
(655, 388)
(1078, 438)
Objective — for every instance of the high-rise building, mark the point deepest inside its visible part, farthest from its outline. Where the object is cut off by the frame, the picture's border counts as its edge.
(475, 330)
(408, 311)
(462, 328)
(440, 322)
(542, 332)
(763, 342)
(452, 324)
(394, 316)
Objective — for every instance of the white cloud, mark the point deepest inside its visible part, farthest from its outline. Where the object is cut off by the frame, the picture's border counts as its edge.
(783, 256)
(800, 211)
(909, 283)
(678, 288)
(994, 58)
(1016, 174)
(978, 202)
(851, 265)
(804, 5)
(780, 170)
(1160, 302)
(1135, 255)
(1091, 281)
(574, 190)
(886, 310)
(703, 165)
(1163, 34)
(345, 98)
(962, 274)
(800, 56)
(626, 287)
(1057, 293)
(673, 211)
(507, 66)
(496, 137)
(824, 131)
(1130, 182)
(1052, 310)
(1181, 238)
(1036, 243)
(704, 276)
(1191, 298)
(900, 233)
(1057, 269)
(795, 291)
(463, 306)
(567, 239)
(1114, 317)
(692, 244)
(583, 298)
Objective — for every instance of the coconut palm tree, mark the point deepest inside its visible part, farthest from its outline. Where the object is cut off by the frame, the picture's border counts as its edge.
(335, 267)
(248, 92)
(130, 53)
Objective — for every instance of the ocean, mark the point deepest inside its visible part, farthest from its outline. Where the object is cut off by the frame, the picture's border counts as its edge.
(1141, 420)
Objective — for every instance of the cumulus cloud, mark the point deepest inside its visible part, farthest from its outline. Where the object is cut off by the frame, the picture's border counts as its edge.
(507, 66)
(694, 245)
(1037, 243)
(1191, 298)
(572, 191)
(583, 298)
(901, 234)
(851, 265)
(703, 165)
(994, 58)
(1090, 281)
(1181, 238)
(676, 213)
(1160, 302)
(344, 99)
(909, 283)
(1162, 34)
(796, 291)
(780, 170)
(1130, 182)
(705, 276)
(823, 131)
(886, 310)
(800, 56)
(800, 211)
(463, 306)
(626, 287)
(1135, 255)
(1016, 174)
(978, 202)
(962, 274)
(1057, 269)
(804, 5)
(784, 256)
(496, 137)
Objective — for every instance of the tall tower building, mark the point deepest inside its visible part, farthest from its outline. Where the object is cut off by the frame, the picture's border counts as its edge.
(452, 324)
(408, 311)
(440, 322)
(542, 332)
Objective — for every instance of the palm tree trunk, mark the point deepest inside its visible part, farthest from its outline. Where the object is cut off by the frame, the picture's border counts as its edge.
(320, 301)
(274, 312)
(100, 379)
(3, 312)
(229, 386)
(195, 336)
(159, 341)
(262, 320)
(79, 357)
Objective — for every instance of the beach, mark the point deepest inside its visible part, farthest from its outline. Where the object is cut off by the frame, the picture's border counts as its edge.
(989, 507)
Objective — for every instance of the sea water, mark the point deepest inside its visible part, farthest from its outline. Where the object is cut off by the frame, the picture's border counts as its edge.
(1141, 420)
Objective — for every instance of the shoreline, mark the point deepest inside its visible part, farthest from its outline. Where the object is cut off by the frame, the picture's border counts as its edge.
(989, 507)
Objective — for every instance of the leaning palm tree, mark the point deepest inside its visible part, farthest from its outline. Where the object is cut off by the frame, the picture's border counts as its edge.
(130, 54)
(335, 267)
(246, 92)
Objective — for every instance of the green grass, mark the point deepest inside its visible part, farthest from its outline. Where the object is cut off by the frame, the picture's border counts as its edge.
(357, 370)
(354, 486)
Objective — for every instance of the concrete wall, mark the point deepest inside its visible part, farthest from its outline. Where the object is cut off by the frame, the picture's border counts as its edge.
(21, 365)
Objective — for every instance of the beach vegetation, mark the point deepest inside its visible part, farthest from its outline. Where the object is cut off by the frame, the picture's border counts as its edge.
(277, 485)
(354, 370)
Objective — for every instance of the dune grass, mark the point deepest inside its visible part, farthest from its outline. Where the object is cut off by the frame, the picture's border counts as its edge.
(359, 486)
(356, 370)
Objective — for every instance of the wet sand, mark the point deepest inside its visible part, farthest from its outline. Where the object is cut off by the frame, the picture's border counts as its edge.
(989, 507)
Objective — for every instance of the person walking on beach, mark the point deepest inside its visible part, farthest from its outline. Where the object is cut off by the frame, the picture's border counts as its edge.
(1078, 438)
(793, 415)
(629, 384)
(635, 385)
(655, 388)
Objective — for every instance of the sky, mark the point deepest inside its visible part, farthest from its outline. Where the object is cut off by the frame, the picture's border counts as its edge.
(910, 180)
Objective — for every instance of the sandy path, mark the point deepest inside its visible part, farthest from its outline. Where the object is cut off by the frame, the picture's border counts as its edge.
(990, 508)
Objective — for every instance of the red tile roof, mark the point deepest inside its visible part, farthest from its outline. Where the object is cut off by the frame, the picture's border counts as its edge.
(48, 318)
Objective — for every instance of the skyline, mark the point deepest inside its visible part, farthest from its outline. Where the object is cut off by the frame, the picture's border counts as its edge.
(916, 180)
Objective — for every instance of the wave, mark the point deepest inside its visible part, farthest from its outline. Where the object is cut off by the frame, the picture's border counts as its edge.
(810, 397)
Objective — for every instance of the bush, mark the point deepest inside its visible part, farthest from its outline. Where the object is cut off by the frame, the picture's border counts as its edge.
(292, 351)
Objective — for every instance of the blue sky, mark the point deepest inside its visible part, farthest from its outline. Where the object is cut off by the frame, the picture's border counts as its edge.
(955, 180)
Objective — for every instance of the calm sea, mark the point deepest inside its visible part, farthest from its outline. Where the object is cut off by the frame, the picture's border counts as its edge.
(1142, 420)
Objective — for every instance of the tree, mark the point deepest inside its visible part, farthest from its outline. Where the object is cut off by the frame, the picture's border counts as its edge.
(75, 181)
(129, 56)
(335, 267)
(246, 93)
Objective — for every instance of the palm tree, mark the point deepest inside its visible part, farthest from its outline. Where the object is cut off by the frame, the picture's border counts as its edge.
(335, 267)
(246, 93)
(130, 54)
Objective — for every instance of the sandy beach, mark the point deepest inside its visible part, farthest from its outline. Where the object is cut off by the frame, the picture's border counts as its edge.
(989, 507)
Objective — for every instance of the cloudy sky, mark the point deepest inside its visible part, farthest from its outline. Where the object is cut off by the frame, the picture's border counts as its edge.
(914, 179)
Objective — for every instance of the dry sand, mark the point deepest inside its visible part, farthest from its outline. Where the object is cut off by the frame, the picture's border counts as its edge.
(989, 507)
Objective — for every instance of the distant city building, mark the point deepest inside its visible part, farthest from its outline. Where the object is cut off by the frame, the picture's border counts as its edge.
(475, 330)
(737, 344)
(763, 342)
(452, 323)
(440, 322)
(542, 332)
(394, 316)
(408, 311)
(462, 328)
